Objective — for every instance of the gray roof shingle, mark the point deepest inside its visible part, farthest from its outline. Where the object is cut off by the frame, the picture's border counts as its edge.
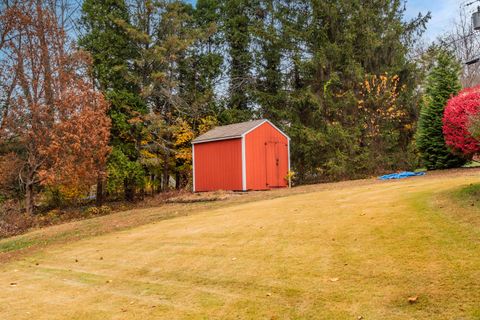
(230, 131)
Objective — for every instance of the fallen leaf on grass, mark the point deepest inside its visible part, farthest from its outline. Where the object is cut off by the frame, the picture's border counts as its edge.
(412, 300)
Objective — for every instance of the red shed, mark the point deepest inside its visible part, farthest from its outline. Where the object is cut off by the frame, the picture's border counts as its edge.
(253, 155)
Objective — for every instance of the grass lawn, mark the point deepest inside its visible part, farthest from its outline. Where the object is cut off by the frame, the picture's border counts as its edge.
(337, 251)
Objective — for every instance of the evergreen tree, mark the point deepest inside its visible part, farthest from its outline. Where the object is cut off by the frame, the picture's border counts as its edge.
(269, 50)
(200, 66)
(112, 50)
(326, 68)
(441, 84)
(238, 17)
(164, 33)
(288, 61)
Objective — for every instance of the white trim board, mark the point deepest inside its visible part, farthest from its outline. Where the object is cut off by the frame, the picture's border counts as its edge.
(244, 134)
(244, 165)
(263, 122)
(218, 139)
(193, 167)
(289, 170)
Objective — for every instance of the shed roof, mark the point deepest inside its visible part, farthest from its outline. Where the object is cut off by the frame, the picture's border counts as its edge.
(230, 131)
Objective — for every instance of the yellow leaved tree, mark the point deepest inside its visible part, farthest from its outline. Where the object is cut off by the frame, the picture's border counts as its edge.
(184, 133)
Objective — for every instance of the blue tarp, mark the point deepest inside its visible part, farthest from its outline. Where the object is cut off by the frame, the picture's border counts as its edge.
(401, 175)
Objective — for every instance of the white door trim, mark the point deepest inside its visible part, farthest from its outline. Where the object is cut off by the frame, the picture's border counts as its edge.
(244, 166)
(193, 167)
(289, 178)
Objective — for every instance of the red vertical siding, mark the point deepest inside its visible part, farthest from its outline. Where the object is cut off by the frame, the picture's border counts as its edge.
(267, 158)
(218, 165)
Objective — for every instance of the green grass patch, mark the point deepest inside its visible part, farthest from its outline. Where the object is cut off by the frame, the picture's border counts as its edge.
(472, 164)
(468, 195)
(462, 204)
(16, 244)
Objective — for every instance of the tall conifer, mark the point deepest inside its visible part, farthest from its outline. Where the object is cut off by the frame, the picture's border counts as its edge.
(442, 83)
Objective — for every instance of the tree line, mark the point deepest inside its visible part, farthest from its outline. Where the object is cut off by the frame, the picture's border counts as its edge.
(118, 104)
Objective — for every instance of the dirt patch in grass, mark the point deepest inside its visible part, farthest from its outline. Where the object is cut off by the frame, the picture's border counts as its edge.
(203, 197)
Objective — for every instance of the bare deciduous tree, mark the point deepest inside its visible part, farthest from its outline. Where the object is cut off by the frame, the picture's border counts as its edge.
(465, 44)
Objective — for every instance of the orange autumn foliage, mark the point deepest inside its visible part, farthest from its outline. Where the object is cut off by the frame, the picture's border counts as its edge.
(53, 111)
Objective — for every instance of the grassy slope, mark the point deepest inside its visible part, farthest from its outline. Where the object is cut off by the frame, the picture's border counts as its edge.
(337, 253)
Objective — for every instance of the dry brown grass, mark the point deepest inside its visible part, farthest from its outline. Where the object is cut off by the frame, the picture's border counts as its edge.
(336, 251)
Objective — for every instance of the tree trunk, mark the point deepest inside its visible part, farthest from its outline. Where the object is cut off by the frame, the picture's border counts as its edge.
(29, 198)
(128, 190)
(45, 61)
(165, 178)
(158, 180)
(100, 195)
(178, 181)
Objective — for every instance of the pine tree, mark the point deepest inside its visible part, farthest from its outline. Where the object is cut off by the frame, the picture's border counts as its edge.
(441, 84)
(323, 68)
(238, 16)
(269, 50)
(107, 42)
(164, 33)
(200, 67)
(112, 50)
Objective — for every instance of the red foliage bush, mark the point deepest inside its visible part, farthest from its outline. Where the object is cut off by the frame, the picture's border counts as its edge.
(456, 120)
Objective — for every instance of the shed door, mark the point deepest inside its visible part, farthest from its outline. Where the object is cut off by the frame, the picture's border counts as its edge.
(276, 164)
(272, 163)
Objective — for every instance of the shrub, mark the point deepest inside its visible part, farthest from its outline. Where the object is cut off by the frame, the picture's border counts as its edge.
(13, 222)
(54, 198)
(456, 121)
(98, 211)
(52, 217)
(10, 167)
(474, 126)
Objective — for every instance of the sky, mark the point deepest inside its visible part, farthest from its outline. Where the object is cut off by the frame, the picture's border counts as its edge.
(443, 14)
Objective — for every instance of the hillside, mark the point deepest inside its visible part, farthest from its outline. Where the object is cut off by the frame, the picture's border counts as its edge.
(336, 251)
